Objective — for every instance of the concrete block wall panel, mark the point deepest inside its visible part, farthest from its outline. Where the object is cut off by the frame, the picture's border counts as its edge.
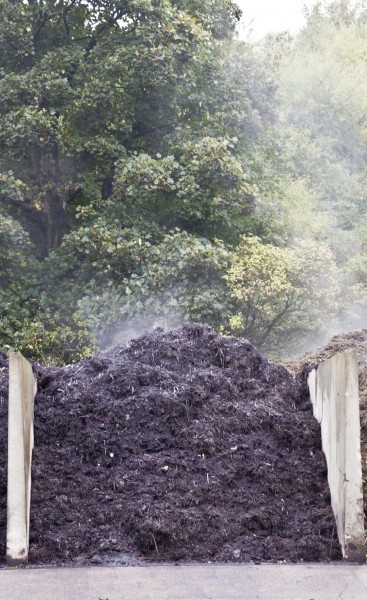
(334, 392)
(22, 390)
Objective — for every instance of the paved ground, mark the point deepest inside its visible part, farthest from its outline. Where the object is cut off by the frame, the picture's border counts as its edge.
(196, 582)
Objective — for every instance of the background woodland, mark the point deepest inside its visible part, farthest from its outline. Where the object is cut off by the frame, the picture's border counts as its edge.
(154, 169)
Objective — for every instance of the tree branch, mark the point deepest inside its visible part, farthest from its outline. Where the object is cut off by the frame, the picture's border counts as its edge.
(275, 321)
(65, 13)
(104, 29)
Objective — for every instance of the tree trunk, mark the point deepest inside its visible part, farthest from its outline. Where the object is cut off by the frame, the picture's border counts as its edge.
(57, 221)
(47, 171)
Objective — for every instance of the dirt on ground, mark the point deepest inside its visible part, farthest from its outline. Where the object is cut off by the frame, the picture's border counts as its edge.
(180, 446)
(339, 343)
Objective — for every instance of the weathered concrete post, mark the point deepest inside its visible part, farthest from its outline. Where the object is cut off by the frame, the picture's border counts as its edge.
(334, 391)
(22, 390)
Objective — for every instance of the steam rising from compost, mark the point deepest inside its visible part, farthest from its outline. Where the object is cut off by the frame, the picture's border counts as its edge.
(133, 328)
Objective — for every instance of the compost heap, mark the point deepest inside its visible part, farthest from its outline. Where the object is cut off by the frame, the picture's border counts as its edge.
(181, 446)
(358, 341)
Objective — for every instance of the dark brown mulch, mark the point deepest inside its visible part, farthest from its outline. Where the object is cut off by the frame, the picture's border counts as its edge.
(184, 446)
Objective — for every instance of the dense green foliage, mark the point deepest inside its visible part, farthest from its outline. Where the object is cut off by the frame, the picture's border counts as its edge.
(154, 169)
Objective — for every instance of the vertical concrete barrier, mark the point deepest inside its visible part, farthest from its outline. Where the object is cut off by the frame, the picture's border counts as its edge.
(334, 391)
(22, 390)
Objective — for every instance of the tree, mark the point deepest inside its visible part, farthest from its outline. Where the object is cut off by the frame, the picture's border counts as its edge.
(87, 89)
(18, 275)
(282, 295)
(144, 152)
(84, 83)
(202, 188)
(327, 112)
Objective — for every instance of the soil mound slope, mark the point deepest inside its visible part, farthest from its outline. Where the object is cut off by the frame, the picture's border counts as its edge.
(182, 446)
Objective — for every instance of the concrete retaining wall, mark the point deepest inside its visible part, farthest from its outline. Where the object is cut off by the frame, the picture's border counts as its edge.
(22, 390)
(334, 391)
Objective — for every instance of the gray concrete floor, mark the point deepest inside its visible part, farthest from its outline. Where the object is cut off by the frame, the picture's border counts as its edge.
(189, 582)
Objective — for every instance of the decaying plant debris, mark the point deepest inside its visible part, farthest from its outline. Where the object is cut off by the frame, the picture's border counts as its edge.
(181, 446)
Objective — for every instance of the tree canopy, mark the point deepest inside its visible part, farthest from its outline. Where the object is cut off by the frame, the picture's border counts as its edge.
(154, 169)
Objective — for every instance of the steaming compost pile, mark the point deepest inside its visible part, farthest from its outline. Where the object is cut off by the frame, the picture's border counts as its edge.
(181, 446)
(339, 343)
